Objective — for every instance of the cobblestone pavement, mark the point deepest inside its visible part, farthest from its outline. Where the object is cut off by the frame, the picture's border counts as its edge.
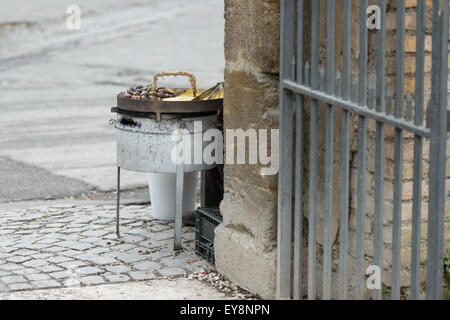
(66, 245)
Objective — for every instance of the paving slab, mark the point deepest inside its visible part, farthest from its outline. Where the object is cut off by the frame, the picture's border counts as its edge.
(119, 269)
(90, 280)
(45, 284)
(37, 276)
(12, 279)
(116, 277)
(20, 286)
(25, 271)
(147, 266)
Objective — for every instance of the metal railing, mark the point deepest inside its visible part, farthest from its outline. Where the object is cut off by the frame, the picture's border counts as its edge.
(301, 80)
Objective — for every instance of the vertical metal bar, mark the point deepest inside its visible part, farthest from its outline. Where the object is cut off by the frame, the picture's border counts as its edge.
(418, 150)
(437, 151)
(361, 205)
(398, 152)
(315, 30)
(329, 140)
(420, 62)
(298, 236)
(433, 174)
(363, 44)
(345, 154)
(416, 218)
(331, 12)
(379, 201)
(362, 134)
(379, 180)
(371, 104)
(329, 137)
(285, 196)
(346, 49)
(379, 147)
(300, 39)
(298, 218)
(381, 58)
(179, 202)
(399, 58)
(287, 69)
(118, 204)
(397, 219)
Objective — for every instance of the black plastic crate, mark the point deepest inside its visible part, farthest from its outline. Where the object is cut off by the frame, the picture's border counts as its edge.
(206, 221)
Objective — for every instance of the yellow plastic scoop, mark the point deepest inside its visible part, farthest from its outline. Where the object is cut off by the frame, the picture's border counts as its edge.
(188, 95)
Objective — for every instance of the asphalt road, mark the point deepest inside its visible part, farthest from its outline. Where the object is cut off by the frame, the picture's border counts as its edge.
(57, 85)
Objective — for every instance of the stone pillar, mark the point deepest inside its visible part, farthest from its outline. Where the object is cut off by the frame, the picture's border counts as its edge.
(245, 244)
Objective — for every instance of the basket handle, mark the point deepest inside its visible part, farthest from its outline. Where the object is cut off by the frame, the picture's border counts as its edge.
(191, 77)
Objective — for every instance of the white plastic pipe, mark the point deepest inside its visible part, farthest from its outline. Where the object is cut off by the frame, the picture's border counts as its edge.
(162, 187)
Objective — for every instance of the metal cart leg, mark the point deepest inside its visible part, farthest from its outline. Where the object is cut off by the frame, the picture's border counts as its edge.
(118, 203)
(179, 206)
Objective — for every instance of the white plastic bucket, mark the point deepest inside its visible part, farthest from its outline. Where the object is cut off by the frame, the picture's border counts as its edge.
(162, 187)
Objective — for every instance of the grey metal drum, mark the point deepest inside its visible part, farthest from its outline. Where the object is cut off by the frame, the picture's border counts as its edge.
(146, 145)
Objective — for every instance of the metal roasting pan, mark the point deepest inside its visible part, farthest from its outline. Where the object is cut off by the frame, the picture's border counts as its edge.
(148, 107)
